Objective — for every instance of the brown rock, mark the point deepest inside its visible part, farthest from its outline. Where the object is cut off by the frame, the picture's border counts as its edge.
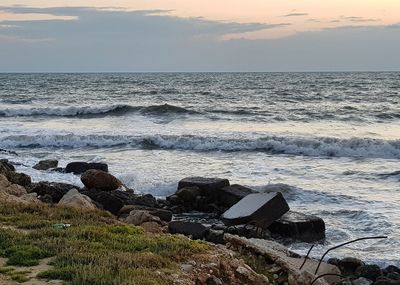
(10, 188)
(100, 180)
(138, 217)
(77, 200)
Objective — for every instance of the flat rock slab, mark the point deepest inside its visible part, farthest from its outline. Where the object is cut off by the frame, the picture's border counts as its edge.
(260, 209)
(230, 195)
(299, 226)
(207, 185)
(195, 230)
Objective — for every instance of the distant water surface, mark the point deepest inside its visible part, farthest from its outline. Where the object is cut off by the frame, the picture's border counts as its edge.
(333, 137)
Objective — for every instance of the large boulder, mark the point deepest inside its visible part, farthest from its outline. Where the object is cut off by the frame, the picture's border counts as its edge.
(299, 226)
(260, 209)
(207, 185)
(138, 217)
(8, 171)
(113, 201)
(163, 214)
(100, 180)
(46, 164)
(194, 230)
(10, 188)
(77, 200)
(50, 189)
(80, 167)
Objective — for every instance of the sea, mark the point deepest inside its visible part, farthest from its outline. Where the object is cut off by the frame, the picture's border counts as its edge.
(330, 142)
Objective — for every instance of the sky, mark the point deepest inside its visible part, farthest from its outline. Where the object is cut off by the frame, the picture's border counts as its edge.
(206, 35)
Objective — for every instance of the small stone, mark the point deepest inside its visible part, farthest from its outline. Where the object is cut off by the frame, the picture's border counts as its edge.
(212, 280)
(187, 268)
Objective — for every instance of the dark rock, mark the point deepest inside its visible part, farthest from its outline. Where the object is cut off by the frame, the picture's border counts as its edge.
(215, 236)
(260, 209)
(19, 178)
(46, 164)
(334, 261)
(385, 281)
(55, 190)
(230, 195)
(393, 276)
(46, 199)
(207, 185)
(113, 201)
(249, 231)
(81, 167)
(7, 164)
(188, 194)
(195, 230)
(391, 268)
(299, 226)
(58, 169)
(349, 265)
(369, 271)
(100, 180)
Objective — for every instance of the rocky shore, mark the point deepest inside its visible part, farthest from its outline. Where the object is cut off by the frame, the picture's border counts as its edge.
(235, 220)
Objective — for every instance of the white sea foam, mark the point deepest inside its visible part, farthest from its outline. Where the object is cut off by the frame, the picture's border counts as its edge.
(292, 145)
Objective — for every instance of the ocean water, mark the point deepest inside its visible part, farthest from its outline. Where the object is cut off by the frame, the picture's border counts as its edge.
(331, 141)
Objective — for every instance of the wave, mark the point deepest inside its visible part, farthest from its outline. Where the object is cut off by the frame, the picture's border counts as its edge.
(82, 111)
(290, 145)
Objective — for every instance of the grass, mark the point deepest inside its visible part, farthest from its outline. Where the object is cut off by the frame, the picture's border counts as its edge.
(96, 249)
(16, 275)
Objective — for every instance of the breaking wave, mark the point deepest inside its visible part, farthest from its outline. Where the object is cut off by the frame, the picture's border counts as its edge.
(81, 111)
(291, 145)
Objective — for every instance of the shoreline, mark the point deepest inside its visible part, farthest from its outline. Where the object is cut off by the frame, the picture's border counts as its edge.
(144, 210)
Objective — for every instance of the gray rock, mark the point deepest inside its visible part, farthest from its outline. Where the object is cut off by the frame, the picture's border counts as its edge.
(80, 167)
(195, 230)
(299, 226)
(187, 268)
(362, 281)
(46, 164)
(349, 265)
(260, 209)
(50, 189)
(369, 271)
(386, 281)
(215, 236)
(207, 185)
(77, 200)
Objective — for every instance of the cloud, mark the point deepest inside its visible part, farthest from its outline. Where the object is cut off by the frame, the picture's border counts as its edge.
(359, 19)
(295, 15)
(120, 40)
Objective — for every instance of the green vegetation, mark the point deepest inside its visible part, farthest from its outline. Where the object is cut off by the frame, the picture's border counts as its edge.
(258, 264)
(96, 249)
(19, 276)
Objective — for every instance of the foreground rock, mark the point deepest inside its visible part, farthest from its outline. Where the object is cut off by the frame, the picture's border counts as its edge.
(77, 200)
(46, 164)
(100, 180)
(194, 230)
(283, 262)
(8, 171)
(10, 188)
(299, 226)
(80, 167)
(113, 201)
(50, 192)
(14, 193)
(260, 209)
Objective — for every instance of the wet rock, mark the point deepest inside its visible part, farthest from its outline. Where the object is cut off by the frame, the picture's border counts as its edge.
(299, 226)
(77, 200)
(100, 180)
(55, 190)
(349, 265)
(230, 195)
(369, 271)
(393, 276)
(260, 209)
(7, 164)
(207, 185)
(195, 230)
(46, 164)
(188, 194)
(391, 268)
(80, 167)
(249, 231)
